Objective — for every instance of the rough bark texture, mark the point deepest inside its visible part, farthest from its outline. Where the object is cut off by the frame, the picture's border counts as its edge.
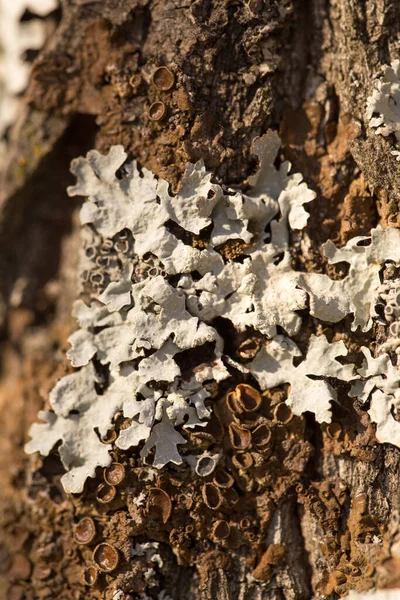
(331, 514)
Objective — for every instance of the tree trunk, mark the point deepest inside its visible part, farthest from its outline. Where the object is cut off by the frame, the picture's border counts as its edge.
(325, 519)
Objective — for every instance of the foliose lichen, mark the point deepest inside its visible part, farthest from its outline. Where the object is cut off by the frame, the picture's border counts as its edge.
(16, 38)
(383, 106)
(149, 347)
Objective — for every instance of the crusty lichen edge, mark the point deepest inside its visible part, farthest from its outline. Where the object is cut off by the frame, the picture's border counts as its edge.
(135, 328)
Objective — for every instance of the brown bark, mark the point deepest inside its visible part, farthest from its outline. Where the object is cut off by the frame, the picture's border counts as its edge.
(302, 67)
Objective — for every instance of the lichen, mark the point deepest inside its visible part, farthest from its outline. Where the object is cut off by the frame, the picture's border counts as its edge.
(16, 38)
(380, 384)
(77, 411)
(274, 366)
(331, 300)
(148, 346)
(387, 314)
(383, 106)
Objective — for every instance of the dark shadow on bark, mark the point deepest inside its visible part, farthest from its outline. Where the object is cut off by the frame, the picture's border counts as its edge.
(36, 219)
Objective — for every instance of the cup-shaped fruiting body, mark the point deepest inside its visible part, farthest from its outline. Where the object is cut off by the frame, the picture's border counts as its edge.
(247, 420)
(334, 431)
(157, 111)
(154, 271)
(163, 79)
(96, 278)
(232, 403)
(212, 496)
(389, 311)
(109, 438)
(231, 497)
(394, 329)
(135, 81)
(85, 531)
(245, 524)
(106, 557)
(107, 249)
(221, 531)
(261, 436)
(283, 413)
(240, 437)
(90, 576)
(159, 503)
(340, 578)
(122, 246)
(206, 465)
(102, 261)
(105, 493)
(248, 398)
(90, 252)
(249, 348)
(341, 590)
(243, 461)
(223, 479)
(114, 474)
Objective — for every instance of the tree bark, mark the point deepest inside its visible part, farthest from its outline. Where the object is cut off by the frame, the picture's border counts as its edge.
(328, 521)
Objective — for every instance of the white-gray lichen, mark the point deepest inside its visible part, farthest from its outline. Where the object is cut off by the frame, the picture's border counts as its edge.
(380, 384)
(387, 314)
(145, 321)
(274, 366)
(355, 294)
(383, 106)
(16, 38)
